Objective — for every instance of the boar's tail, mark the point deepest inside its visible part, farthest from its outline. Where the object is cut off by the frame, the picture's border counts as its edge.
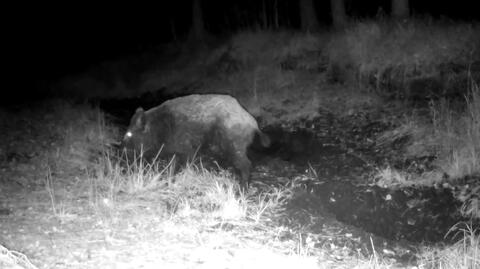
(264, 139)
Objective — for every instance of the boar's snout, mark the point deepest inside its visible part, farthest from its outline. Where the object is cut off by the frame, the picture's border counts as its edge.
(126, 141)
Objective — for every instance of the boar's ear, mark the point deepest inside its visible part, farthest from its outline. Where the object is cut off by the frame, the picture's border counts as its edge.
(140, 118)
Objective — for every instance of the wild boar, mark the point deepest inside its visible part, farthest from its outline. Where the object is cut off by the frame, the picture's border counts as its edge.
(212, 124)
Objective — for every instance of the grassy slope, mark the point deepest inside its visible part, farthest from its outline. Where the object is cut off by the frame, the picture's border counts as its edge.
(127, 216)
(111, 215)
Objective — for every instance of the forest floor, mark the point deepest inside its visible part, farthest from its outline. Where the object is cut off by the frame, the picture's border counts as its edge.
(316, 200)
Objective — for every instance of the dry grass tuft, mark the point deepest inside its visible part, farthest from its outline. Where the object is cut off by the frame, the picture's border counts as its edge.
(399, 51)
(459, 136)
(451, 134)
(55, 137)
(10, 259)
(463, 254)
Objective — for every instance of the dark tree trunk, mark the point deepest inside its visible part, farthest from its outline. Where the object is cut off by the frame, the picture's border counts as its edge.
(339, 16)
(308, 16)
(400, 9)
(198, 27)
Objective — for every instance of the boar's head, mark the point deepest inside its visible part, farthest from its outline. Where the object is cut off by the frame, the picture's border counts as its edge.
(138, 136)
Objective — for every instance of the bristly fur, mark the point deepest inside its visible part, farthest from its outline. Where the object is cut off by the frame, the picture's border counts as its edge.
(216, 125)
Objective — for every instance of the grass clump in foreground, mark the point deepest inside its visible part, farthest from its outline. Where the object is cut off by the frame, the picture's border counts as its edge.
(14, 259)
(195, 217)
(463, 254)
(203, 221)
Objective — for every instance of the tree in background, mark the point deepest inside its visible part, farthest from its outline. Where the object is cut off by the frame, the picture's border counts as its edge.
(198, 27)
(400, 9)
(308, 17)
(339, 16)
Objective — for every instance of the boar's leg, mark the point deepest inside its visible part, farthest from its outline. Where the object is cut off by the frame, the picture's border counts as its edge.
(242, 165)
